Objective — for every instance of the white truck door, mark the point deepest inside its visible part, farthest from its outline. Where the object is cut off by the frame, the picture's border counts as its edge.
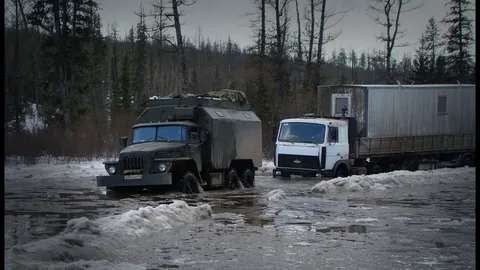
(337, 146)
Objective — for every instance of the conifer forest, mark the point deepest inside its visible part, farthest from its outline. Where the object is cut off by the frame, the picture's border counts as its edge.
(72, 89)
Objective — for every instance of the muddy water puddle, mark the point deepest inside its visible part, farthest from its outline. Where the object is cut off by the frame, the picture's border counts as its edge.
(409, 228)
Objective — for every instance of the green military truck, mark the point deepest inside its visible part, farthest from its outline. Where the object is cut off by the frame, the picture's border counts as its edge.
(190, 142)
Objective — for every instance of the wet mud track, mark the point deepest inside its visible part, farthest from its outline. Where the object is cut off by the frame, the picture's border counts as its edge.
(432, 227)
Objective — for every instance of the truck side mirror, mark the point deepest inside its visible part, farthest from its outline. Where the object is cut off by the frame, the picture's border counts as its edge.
(123, 141)
(203, 136)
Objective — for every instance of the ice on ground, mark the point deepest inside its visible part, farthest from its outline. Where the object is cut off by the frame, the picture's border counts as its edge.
(276, 195)
(85, 239)
(383, 181)
(93, 265)
(366, 220)
(47, 168)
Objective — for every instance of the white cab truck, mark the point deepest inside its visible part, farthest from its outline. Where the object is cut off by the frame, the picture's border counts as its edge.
(379, 128)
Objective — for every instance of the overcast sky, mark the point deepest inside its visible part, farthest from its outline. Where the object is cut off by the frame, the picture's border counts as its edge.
(219, 19)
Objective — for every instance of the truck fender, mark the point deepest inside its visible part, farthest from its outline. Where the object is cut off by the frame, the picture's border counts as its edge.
(339, 162)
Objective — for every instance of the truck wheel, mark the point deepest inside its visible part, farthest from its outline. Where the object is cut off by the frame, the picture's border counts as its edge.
(232, 180)
(248, 178)
(468, 161)
(375, 169)
(341, 172)
(188, 183)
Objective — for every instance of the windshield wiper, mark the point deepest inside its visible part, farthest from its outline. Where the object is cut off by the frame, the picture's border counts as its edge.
(163, 138)
(283, 140)
(144, 141)
(305, 141)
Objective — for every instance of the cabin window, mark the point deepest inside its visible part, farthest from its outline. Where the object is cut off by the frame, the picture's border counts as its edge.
(442, 105)
(332, 134)
(339, 102)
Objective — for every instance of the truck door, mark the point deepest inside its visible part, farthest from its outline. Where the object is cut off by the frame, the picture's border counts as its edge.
(337, 146)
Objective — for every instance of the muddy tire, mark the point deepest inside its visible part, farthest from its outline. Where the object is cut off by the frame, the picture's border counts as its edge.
(188, 184)
(341, 172)
(286, 174)
(231, 180)
(248, 178)
(468, 161)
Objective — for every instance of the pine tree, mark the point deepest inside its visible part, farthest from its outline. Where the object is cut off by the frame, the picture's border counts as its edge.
(420, 72)
(432, 35)
(125, 96)
(406, 68)
(140, 64)
(115, 92)
(458, 39)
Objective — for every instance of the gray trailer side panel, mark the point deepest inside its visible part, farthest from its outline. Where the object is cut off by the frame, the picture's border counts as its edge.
(412, 110)
(386, 146)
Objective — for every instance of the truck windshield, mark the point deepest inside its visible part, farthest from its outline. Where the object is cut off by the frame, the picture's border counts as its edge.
(302, 132)
(160, 133)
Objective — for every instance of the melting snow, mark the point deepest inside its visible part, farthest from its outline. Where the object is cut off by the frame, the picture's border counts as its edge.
(383, 181)
(85, 239)
(276, 195)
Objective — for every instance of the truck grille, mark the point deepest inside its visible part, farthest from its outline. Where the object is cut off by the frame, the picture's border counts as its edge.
(133, 163)
(300, 162)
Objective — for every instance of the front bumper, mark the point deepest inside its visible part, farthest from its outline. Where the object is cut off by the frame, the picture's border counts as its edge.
(158, 179)
(297, 171)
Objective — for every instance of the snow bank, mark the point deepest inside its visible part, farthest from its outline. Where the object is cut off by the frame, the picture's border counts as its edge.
(85, 239)
(267, 167)
(359, 183)
(276, 195)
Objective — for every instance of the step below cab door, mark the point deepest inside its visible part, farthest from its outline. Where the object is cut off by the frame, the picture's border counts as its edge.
(336, 146)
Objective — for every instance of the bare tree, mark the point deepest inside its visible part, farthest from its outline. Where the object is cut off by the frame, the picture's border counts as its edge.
(325, 17)
(299, 34)
(311, 37)
(180, 46)
(387, 15)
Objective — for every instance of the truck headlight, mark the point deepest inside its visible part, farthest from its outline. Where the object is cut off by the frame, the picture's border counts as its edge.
(111, 169)
(162, 167)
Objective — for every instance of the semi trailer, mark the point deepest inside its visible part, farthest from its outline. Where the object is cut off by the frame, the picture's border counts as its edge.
(369, 129)
(210, 140)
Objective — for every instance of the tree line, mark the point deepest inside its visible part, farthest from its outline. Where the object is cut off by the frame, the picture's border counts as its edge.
(89, 86)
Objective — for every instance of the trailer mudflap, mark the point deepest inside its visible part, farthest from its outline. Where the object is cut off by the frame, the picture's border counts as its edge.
(158, 179)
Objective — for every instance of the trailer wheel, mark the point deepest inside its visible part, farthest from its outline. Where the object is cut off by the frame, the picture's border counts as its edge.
(376, 169)
(341, 171)
(468, 161)
(232, 181)
(188, 183)
(248, 178)
(392, 167)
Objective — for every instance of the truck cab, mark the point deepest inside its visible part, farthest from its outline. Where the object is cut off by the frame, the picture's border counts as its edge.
(312, 146)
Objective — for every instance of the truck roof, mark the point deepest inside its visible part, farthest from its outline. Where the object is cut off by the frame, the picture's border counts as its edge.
(174, 123)
(315, 120)
(403, 86)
